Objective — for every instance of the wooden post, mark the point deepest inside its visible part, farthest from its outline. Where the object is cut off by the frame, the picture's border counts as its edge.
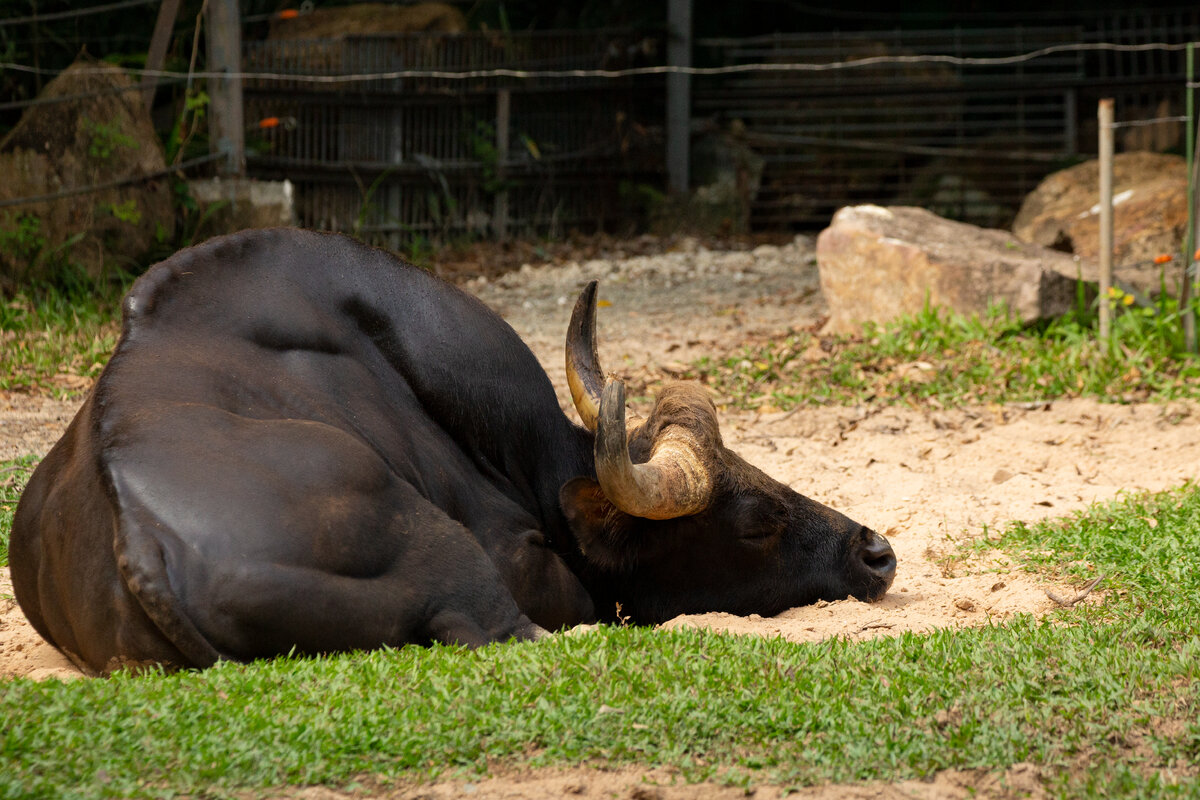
(679, 95)
(227, 129)
(1186, 291)
(1105, 117)
(159, 43)
(503, 123)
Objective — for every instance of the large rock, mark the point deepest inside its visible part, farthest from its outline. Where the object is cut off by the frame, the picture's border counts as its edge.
(101, 134)
(877, 264)
(1149, 208)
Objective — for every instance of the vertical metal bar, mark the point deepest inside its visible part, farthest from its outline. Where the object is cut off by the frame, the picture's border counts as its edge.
(1105, 118)
(1071, 133)
(679, 94)
(397, 130)
(225, 55)
(503, 121)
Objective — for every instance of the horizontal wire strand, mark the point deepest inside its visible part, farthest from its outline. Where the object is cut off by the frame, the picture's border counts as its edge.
(99, 187)
(734, 69)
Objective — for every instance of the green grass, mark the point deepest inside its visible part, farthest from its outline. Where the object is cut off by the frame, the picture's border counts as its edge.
(57, 340)
(1148, 546)
(741, 709)
(1106, 705)
(13, 475)
(945, 358)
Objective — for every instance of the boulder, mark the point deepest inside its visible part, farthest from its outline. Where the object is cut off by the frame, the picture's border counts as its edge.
(1149, 209)
(101, 136)
(877, 264)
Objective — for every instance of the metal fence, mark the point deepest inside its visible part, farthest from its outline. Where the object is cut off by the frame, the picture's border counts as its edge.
(397, 159)
(401, 158)
(966, 141)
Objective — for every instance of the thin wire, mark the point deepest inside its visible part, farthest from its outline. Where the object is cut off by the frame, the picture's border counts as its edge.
(66, 98)
(80, 12)
(635, 71)
(917, 150)
(961, 16)
(99, 187)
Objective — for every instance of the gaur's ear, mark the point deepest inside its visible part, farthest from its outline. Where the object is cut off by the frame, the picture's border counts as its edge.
(605, 533)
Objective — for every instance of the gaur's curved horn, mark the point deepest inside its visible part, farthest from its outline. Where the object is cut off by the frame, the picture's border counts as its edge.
(584, 376)
(675, 481)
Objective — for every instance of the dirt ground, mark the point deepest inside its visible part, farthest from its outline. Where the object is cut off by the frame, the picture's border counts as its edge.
(1020, 780)
(928, 478)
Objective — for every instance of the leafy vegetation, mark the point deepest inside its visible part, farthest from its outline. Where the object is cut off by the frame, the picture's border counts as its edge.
(1148, 546)
(940, 357)
(57, 339)
(106, 139)
(13, 475)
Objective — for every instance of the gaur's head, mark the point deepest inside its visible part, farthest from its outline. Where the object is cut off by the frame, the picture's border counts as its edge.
(679, 523)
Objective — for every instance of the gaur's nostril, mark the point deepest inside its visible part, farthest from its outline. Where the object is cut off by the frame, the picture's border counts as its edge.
(879, 556)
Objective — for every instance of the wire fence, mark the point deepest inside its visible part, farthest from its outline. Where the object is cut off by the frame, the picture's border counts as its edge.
(114, 184)
(168, 77)
(643, 71)
(74, 13)
(336, 77)
(70, 98)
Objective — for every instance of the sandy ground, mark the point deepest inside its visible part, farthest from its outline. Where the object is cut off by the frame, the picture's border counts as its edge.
(927, 478)
(1020, 780)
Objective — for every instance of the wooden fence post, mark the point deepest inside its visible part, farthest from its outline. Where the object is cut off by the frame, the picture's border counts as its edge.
(503, 123)
(227, 128)
(1105, 117)
(159, 42)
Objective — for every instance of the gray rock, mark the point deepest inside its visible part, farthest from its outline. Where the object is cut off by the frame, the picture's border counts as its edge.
(877, 264)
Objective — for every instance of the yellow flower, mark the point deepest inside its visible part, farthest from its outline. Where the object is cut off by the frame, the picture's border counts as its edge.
(1127, 299)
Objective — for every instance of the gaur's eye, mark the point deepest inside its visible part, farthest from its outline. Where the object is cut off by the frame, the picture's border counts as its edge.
(761, 533)
(757, 519)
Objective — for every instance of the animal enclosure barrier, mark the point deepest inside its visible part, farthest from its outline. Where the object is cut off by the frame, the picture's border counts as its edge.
(402, 159)
(965, 141)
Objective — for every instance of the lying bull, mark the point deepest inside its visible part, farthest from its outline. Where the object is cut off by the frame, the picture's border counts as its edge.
(302, 443)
